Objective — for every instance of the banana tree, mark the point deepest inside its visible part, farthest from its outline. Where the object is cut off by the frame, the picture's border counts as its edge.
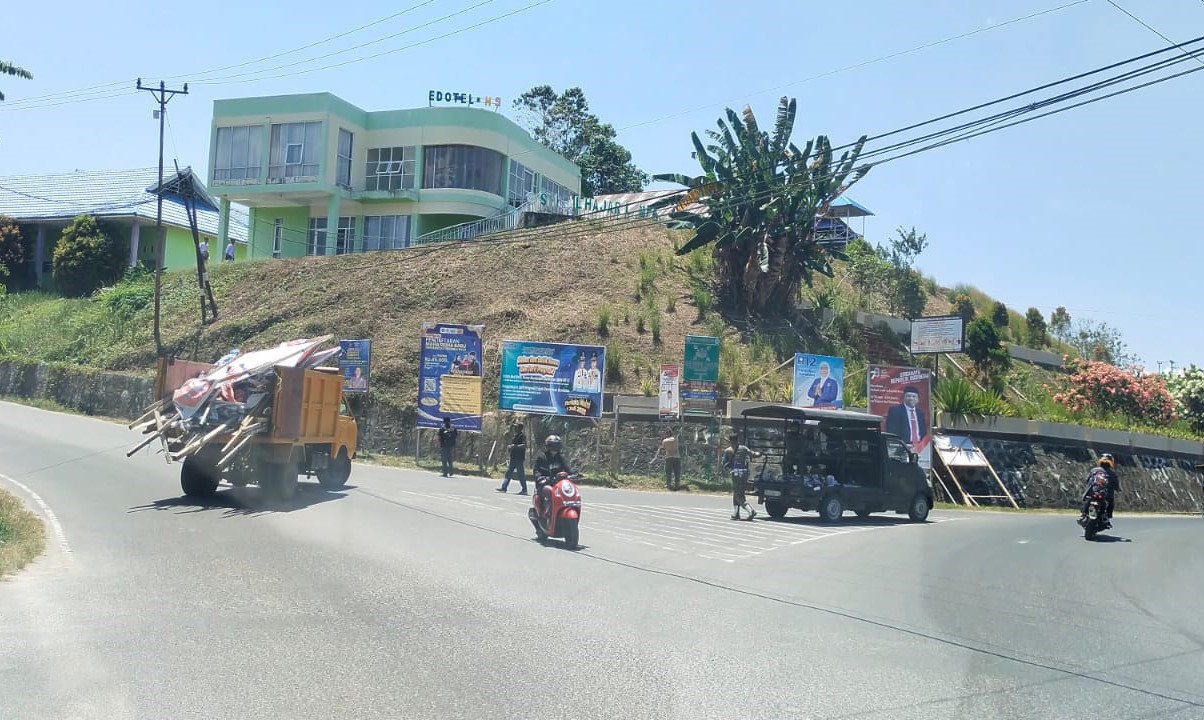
(7, 68)
(755, 206)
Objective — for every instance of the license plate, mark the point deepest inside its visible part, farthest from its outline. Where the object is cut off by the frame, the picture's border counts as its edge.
(773, 493)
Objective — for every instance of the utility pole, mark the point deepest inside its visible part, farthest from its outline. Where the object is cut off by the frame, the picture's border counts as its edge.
(162, 95)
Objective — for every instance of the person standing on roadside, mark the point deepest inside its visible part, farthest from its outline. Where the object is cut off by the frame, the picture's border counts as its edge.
(672, 460)
(518, 457)
(447, 447)
(737, 460)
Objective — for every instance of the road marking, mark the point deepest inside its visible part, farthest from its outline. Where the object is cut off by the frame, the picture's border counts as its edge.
(55, 526)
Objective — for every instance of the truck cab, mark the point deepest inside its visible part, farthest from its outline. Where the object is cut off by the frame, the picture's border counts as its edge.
(830, 461)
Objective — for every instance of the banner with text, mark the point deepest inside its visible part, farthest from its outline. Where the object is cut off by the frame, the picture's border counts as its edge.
(937, 334)
(449, 376)
(818, 381)
(552, 378)
(355, 357)
(700, 375)
(903, 397)
(670, 403)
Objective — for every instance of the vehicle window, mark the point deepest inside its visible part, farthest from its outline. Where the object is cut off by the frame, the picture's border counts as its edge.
(897, 451)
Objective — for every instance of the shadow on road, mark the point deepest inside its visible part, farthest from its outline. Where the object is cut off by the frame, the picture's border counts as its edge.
(245, 501)
(1111, 539)
(848, 522)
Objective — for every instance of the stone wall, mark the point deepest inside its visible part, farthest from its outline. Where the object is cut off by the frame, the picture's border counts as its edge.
(85, 390)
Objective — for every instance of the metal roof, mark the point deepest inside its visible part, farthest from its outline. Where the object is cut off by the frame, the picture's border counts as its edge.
(112, 193)
(790, 412)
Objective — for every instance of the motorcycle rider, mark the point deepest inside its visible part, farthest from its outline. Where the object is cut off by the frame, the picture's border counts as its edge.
(548, 465)
(1111, 483)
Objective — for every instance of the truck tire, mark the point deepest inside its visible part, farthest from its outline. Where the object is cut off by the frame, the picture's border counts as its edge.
(831, 509)
(198, 477)
(918, 510)
(336, 472)
(776, 509)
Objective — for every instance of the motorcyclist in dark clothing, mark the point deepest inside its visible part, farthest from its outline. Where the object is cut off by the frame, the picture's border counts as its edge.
(547, 466)
(1111, 484)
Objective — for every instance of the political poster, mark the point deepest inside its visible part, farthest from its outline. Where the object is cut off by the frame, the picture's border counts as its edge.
(355, 358)
(818, 381)
(449, 376)
(700, 375)
(552, 378)
(903, 397)
(670, 397)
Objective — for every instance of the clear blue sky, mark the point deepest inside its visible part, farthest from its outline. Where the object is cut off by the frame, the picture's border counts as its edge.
(1090, 209)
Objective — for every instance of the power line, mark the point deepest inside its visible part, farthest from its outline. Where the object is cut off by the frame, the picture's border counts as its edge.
(1149, 27)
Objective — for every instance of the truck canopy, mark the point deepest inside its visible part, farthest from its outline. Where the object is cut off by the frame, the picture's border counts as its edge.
(809, 416)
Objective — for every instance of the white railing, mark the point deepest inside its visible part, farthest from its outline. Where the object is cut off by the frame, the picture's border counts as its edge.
(501, 222)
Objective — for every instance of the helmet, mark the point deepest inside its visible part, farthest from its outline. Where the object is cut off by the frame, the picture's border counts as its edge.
(552, 443)
(1106, 460)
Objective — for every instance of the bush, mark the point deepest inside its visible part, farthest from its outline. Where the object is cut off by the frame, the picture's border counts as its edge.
(1103, 390)
(604, 320)
(703, 301)
(15, 255)
(86, 258)
(614, 364)
(128, 297)
(958, 397)
(984, 348)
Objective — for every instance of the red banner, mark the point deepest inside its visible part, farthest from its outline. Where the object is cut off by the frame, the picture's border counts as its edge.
(903, 397)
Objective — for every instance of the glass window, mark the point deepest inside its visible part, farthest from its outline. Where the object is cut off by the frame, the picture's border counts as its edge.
(557, 193)
(316, 240)
(295, 152)
(386, 232)
(465, 167)
(277, 236)
(343, 166)
(390, 168)
(897, 451)
(522, 182)
(344, 241)
(238, 154)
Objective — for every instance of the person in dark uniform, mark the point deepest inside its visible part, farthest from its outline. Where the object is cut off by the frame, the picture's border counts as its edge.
(447, 447)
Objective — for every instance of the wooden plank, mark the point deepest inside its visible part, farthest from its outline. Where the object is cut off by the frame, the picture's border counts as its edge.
(288, 413)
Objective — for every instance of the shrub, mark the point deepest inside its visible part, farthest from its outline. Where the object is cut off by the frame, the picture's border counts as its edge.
(649, 387)
(671, 304)
(127, 298)
(614, 364)
(86, 258)
(604, 320)
(15, 255)
(958, 397)
(703, 301)
(639, 323)
(1100, 389)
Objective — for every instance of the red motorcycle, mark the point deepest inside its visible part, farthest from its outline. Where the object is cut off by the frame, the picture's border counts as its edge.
(562, 516)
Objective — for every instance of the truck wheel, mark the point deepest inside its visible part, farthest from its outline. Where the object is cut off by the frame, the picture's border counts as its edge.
(776, 508)
(831, 509)
(198, 478)
(918, 510)
(336, 473)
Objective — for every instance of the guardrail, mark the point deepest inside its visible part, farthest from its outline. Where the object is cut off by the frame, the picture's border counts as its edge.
(501, 222)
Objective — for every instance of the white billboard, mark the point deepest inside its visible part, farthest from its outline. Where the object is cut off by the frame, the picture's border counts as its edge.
(939, 334)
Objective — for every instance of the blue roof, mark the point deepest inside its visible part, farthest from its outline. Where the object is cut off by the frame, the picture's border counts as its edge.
(109, 193)
(845, 206)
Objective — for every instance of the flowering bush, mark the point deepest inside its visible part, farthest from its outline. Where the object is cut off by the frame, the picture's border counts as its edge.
(1100, 389)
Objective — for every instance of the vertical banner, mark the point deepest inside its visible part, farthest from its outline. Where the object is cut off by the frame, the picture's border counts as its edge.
(700, 375)
(903, 397)
(449, 376)
(355, 358)
(818, 381)
(670, 397)
(552, 378)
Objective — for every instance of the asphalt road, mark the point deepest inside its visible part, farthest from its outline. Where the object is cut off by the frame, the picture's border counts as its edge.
(413, 596)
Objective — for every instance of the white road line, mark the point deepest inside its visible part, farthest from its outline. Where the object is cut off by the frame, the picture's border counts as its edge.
(55, 526)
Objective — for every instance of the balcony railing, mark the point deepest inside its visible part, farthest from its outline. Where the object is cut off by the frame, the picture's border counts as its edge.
(507, 220)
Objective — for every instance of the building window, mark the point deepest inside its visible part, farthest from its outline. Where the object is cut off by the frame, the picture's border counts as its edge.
(344, 240)
(557, 193)
(386, 232)
(390, 168)
(522, 182)
(239, 154)
(463, 167)
(343, 165)
(315, 243)
(277, 236)
(295, 150)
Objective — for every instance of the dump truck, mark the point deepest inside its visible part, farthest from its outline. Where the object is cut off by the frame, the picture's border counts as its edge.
(264, 421)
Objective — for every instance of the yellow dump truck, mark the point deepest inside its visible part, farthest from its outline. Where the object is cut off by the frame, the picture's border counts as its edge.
(266, 431)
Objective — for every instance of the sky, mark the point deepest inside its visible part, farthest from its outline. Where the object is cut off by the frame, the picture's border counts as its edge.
(1090, 209)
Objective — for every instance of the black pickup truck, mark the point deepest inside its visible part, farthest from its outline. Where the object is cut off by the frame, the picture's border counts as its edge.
(829, 461)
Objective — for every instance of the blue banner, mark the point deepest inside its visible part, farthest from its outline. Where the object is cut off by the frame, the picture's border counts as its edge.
(449, 376)
(818, 381)
(354, 361)
(552, 378)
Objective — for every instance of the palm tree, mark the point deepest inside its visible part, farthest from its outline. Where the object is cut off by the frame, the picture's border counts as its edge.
(761, 196)
(7, 68)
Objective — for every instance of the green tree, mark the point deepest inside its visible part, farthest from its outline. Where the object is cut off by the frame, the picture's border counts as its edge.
(7, 68)
(1059, 323)
(908, 296)
(1035, 323)
(761, 196)
(86, 258)
(1100, 342)
(985, 350)
(999, 315)
(963, 305)
(15, 254)
(1187, 388)
(563, 123)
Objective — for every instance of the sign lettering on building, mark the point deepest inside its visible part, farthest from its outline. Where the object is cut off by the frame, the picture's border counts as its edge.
(463, 98)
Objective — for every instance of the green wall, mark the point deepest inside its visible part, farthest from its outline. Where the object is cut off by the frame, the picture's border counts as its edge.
(262, 230)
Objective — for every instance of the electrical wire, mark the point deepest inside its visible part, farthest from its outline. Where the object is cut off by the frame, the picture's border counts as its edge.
(1149, 27)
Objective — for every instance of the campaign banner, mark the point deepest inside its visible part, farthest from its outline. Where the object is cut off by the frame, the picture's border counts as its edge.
(903, 397)
(937, 334)
(670, 397)
(449, 376)
(552, 378)
(355, 358)
(818, 381)
(700, 375)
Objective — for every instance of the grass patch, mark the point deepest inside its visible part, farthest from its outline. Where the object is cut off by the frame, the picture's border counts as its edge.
(604, 320)
(22, 535)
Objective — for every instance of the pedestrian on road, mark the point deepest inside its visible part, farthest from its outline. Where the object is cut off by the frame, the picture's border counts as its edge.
(672, 460)
(736, 460)
(447, 446)
(518, 456)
